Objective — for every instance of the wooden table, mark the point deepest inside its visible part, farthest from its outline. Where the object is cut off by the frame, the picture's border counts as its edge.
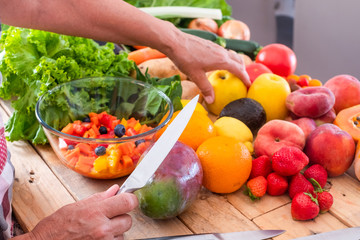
(43, 185)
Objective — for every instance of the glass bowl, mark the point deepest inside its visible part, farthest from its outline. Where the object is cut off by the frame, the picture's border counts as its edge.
(127, 111)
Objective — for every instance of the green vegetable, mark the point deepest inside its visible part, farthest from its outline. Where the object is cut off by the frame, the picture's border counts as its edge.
(33, 61)
(180, 22)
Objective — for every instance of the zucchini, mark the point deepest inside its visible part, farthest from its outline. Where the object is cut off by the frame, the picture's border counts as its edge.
(200, 33)
(249, 48)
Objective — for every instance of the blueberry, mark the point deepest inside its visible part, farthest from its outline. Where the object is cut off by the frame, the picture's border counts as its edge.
(137, 142)
(103, 130)
(119, 130)
(100, 150)
(86, 119)
(71, 147)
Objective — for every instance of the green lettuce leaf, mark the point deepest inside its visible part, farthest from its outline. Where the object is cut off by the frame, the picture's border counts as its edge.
(33, 62)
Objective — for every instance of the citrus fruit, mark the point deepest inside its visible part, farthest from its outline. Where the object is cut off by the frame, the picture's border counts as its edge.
(198, 107)
(271, 90)
(232, 127)
(199, 128)
(226, 164)
(227, 88)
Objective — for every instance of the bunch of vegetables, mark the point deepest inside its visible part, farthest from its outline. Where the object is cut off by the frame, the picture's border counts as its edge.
(33, 62)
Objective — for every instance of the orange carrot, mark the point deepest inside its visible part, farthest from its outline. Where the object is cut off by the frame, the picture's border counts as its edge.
(139, 47)
(144, 54)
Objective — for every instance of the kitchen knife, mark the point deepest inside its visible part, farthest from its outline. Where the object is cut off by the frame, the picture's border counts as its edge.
(158, 152)
(246, 235)
(346, 234)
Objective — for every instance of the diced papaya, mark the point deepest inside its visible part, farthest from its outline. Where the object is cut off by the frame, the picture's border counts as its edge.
(132, 122)
(114, 123)
(85, 149)
(144, 128)
(72, 156)
(77, 122)
(131, 132)
(127, 148)
(90, 134)
(92, 114)
(95, 121)
(126, 162)
(96, 130)
(84, 164)
(101, 164)
(348, 120)
(68, 129)
(79, 129)
(87, 125)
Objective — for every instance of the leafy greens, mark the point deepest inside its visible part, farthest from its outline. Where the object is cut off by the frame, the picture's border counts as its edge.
(33, 62)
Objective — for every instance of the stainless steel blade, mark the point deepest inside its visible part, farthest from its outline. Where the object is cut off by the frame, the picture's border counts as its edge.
(347, 233)
(246, 235)
(158, 152)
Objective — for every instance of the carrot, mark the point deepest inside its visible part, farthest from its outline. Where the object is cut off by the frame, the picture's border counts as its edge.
(139, 47)
(144, 54)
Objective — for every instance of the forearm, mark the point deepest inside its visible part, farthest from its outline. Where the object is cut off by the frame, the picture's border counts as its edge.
(106, 20)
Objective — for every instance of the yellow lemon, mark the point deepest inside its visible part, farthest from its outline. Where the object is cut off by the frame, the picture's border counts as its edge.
(271, 90)
(232, 127)
(198, 107)
(227, 88)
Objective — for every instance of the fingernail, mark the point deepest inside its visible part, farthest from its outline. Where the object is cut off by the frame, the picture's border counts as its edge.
(209, 99)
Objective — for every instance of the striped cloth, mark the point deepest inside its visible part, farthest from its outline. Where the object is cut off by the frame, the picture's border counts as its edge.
(6, 184)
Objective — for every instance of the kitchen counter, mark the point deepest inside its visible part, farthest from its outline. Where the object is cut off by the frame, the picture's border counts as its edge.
(43, 185)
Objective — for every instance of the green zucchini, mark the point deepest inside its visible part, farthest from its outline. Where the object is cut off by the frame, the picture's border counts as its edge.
(249, 48)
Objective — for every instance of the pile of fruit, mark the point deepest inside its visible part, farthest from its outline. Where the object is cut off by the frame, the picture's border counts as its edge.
(285, 134)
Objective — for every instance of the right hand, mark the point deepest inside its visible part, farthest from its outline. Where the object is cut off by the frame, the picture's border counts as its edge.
(101, 216)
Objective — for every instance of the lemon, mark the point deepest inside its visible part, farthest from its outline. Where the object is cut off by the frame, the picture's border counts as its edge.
(198, 107)
(232, 127)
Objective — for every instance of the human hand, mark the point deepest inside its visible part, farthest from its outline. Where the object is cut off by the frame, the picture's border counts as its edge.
(195, 56)
(100, 216)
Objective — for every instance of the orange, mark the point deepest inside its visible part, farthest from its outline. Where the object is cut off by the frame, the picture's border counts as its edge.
(199, 128)
(226, 164)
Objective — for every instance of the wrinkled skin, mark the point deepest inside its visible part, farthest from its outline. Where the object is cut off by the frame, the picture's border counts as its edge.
(100, 216)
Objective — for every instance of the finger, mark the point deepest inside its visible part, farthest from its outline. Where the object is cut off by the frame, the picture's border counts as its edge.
(121, 224)
(238, 68)
(119, 204)
(204, 85)
(102, 195)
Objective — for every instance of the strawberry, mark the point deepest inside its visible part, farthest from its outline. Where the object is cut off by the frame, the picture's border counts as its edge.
(325, 200)
(289, 161)
(304, 206)
(318, 173)
(277, 184)
(299, 183)
(256, 187)
(261, 166)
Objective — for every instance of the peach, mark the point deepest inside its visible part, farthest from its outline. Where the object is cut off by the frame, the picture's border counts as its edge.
(306, 124)
(328, 117)
(310, 102)
(330, 147)
(346, 89)
(276, 134)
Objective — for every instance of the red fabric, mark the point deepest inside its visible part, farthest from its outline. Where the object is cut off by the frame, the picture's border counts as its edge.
(3, 148)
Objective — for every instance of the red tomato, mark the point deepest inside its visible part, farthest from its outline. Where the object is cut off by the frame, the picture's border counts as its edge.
(234, 29)
(256, 69)
(279, 58)
(206, 24)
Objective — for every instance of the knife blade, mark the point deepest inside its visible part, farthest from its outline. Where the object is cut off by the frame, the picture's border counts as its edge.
(346, 233)
(158, 152)
(248, 235)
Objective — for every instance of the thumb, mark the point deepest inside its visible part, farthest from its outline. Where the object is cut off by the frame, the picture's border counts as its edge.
(102, 195)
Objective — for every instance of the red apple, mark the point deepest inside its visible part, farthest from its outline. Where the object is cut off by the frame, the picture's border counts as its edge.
(306, 124)
(330, 147)
(276, 134)
(346, 89)
(256, 69)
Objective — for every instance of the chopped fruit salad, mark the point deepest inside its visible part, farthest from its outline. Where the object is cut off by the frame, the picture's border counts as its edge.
(104, 160)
